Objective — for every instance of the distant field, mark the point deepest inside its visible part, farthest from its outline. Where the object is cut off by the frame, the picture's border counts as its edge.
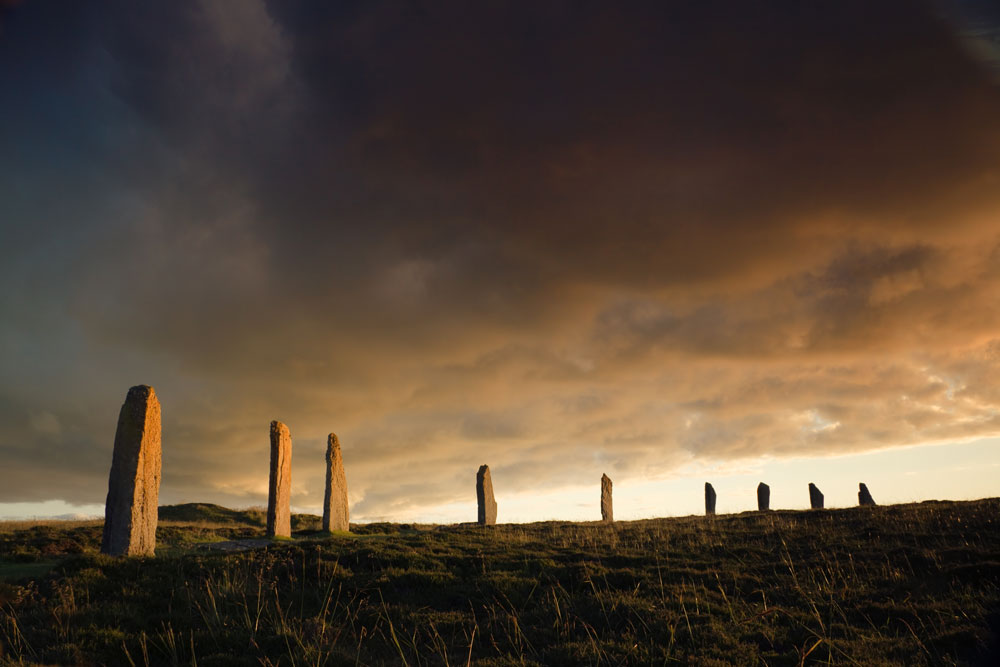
(11, 526)
(907, 585)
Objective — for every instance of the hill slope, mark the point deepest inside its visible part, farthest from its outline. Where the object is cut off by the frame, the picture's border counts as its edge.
(907, 585)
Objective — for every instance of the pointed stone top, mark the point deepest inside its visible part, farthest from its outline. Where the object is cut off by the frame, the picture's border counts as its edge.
(605, 477)
(333, 448)
(815, 497)
(864, 495)
(141, 392)
(483, 468)
(278, 427)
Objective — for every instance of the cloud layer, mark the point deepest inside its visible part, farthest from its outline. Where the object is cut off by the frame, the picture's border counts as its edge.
(562, 239)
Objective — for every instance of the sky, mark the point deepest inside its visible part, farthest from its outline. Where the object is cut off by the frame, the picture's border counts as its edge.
(672, 242)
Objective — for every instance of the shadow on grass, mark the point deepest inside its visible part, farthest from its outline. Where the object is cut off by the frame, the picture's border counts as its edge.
(16, 571)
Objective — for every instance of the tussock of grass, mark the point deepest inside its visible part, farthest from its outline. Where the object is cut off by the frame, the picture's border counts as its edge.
(905, 585)
(340, 534)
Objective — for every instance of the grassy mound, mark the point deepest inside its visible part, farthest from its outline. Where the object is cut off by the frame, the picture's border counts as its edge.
(208, 513)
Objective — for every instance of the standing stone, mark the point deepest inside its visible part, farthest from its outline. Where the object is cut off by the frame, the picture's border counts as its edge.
(763, 497)
(279, 517)
(864, 497)
(335, 511)
(815, 497)
(709, 499)
(606, 512)
(484, 496)
(134, 484)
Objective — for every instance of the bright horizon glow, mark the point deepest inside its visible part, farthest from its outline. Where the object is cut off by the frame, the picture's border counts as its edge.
(942, 471)
(952, 471)
(49, 509)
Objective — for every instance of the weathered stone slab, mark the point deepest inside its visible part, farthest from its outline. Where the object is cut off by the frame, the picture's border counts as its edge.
(607, 514)
(134, 483)
(709, 499)
(763, 497)
(864, 497)
(815, 497)
(279, 516)
(487, 514)
(336, 515)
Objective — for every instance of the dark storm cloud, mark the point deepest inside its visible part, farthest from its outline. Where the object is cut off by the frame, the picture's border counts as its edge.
(553, 237)
(650, 143)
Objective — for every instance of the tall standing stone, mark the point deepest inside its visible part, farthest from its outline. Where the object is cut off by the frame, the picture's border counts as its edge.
(279, 517)
(335, 511)
(763, 497)
(606, 512)
(815, 497)
(709, 499)
(134, 484)
(487, 514)
(864, 496)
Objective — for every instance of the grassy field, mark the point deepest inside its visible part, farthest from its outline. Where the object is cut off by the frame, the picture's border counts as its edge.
(907, 585)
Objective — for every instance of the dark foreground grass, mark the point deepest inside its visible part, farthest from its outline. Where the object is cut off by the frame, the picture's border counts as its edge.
(907, 585)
